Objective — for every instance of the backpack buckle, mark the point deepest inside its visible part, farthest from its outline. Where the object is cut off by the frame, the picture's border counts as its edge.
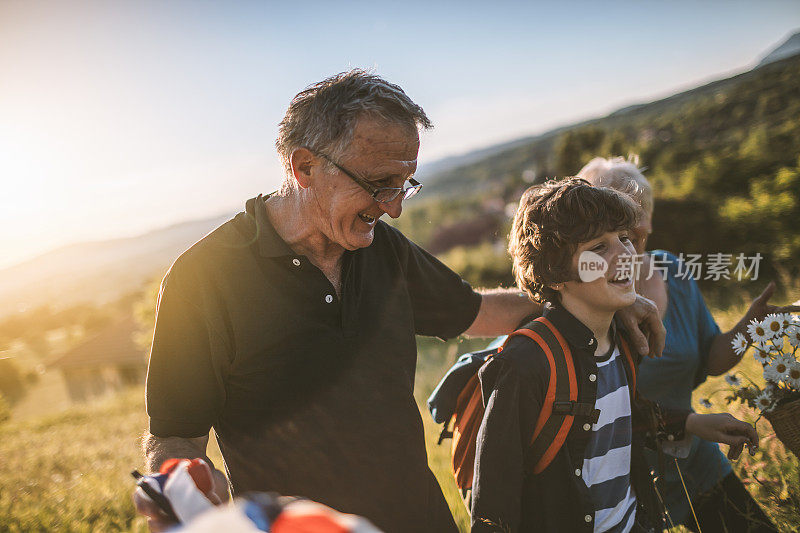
(571, 408)
(446, 433)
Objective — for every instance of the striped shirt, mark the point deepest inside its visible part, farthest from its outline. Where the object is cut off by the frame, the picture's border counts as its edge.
(607, 465)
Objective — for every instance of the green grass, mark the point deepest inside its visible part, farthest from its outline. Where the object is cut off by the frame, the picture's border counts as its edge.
(71, 471)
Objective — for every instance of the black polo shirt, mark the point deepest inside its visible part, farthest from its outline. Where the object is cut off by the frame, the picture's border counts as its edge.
(309, 394)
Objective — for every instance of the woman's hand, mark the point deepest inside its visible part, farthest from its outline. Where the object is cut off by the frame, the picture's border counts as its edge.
(721, 355)
(724, 428)
(761, 308)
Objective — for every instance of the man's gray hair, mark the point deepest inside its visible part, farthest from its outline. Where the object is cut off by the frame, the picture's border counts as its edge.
(323, 116)
(621, 174)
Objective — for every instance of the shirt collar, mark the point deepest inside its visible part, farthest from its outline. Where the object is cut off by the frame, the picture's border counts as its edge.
(573, 330)
(270, 244)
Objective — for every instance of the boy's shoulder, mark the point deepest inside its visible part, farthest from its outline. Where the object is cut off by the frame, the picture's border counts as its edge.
(524, 356)
(521, 363)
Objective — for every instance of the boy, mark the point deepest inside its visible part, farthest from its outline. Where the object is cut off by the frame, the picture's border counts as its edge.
(597, 481)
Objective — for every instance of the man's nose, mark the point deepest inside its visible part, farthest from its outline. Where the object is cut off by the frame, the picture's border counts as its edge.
(393, 208)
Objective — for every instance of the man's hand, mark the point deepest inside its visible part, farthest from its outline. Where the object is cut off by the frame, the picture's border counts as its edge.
(159, 449)
(157, 521)
(724, 428)
(644, 326)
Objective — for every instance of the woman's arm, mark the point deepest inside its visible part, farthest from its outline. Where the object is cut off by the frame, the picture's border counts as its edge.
(721, 356)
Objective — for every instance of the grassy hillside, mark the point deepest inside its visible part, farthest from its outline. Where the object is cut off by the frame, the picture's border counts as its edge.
(70, 472)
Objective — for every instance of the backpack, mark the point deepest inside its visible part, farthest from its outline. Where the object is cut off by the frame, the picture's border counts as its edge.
(457, 402)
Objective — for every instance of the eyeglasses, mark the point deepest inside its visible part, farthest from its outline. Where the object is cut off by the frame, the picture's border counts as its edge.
(379, 194)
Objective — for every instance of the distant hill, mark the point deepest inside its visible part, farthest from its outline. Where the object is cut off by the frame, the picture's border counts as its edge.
(789, 48)
(97, 271)
(704, 147)
(532, 153)
(722, 157)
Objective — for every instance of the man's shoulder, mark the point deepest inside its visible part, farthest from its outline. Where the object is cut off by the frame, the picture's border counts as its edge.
(218, 247)
(388, 235)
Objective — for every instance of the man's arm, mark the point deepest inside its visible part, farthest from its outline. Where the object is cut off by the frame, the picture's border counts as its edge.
(159, 449)
(501, 312)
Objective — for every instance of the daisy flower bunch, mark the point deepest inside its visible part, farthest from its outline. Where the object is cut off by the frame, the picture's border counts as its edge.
(775, 341)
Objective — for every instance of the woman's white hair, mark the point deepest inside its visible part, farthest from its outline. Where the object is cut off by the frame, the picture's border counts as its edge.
(621, 174)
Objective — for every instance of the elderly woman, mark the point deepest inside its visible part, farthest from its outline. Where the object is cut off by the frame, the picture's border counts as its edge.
(695, 348)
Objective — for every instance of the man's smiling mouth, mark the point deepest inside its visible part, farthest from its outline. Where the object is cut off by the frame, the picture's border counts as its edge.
(369, 219)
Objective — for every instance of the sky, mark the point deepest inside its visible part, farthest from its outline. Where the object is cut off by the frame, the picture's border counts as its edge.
(117, 118)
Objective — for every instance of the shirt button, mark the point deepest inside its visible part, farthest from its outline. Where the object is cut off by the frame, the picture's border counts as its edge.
(296, 262)
(588, 518)
(592, 377)
(328, 298)
(591, 342)
(578, 472)
(587, 427)
(670, 437)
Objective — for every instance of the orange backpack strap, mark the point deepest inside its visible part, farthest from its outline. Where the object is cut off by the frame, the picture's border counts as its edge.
(631, 364)
(553, 423)
(560, 406)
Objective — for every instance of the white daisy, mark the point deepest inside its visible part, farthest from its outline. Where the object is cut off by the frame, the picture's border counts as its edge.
(732, 380)
(757, 331)
(761, 354)
(792, 377)
(793, 334)
(705, 402)
(739, 344)
(777, 344)
(764, 401)
(777, 369)
(773, 324)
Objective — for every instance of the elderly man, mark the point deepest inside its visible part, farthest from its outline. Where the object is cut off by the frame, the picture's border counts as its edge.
(290, 330)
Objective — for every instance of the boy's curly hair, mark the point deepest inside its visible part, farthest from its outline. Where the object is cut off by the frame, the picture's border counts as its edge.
(552, 220)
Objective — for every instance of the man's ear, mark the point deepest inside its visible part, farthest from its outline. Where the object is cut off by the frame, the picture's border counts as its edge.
(303, 162)
(556, 286)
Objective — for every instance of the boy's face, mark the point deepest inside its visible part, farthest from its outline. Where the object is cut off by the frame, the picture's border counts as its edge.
(614, 289)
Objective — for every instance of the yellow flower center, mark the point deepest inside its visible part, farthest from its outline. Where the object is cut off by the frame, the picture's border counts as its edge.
(794, 374)
(760, 330)
(780, 368)
(774, 326)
